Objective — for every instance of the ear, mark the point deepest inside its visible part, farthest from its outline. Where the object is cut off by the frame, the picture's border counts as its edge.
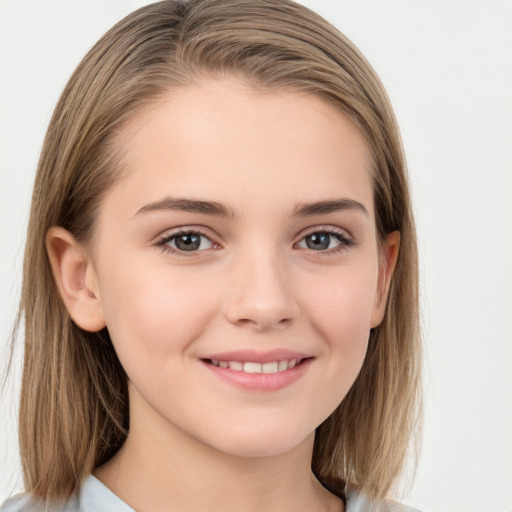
(76, 279)
(388, 257)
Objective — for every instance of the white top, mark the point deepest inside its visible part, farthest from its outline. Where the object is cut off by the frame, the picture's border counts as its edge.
(97, 497)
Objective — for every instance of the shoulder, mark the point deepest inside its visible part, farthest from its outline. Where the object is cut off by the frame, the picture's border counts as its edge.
(17, 503)
(357, 502)
(93, 497)
(26, 502)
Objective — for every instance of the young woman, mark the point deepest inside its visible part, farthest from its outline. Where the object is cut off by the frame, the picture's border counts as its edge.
(220, 279)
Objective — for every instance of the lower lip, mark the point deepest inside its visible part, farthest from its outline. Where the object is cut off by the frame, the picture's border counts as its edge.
(260, 381)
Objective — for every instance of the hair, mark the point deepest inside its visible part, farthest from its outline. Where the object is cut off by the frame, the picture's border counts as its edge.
(74, 413)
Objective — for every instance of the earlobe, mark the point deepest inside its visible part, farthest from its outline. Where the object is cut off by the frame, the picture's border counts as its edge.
(388, 259)
(76, 279)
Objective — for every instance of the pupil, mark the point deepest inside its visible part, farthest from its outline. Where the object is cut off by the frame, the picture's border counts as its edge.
(318, 241)
(188, 242)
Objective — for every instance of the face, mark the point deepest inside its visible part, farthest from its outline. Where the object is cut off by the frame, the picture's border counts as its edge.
(236, 266)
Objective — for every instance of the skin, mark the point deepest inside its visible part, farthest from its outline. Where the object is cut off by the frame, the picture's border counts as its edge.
(195, 441)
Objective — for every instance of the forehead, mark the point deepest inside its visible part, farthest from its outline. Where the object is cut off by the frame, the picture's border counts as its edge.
(224, 141)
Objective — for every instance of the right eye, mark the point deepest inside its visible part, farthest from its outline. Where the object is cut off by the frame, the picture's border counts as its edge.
(186, 242)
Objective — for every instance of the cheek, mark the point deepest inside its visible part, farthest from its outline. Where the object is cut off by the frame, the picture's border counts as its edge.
(341, 313)
(343, 302)
(154, 313)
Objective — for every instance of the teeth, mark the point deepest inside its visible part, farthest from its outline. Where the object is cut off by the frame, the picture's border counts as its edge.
(270, 368)
(251, 367)
(236, 365)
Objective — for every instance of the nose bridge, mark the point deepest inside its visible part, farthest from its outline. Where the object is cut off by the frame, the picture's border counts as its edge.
(261, 292)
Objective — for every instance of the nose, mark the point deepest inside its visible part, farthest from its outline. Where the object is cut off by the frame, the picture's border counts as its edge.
(261, 294)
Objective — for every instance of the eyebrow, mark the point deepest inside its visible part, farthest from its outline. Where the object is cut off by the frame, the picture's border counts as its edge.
(189, 205)
(217, 209)
(323, 207)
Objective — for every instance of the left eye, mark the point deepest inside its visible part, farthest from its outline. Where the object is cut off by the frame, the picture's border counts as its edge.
(321, 241)
(188, 242)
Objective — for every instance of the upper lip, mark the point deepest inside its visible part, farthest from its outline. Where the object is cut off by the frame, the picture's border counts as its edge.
(255, 356)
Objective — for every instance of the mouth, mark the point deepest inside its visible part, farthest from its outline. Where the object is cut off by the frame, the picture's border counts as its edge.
(255, 367)
(259, 372)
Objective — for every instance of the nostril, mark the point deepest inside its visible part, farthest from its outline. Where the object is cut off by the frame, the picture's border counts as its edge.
(264, 323)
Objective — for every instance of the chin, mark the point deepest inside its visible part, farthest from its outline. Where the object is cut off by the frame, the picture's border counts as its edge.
(261, 443)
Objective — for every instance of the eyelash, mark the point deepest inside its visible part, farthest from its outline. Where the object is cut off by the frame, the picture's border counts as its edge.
(346, 241)
(162, 242)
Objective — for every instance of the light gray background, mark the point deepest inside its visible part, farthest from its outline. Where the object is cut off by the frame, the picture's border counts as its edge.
(447, 66)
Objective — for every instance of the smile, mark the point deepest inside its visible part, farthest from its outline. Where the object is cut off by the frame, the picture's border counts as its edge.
(253, 367)
(259, 371)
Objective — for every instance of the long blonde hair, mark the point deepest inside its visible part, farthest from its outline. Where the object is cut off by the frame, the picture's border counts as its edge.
(74, 412)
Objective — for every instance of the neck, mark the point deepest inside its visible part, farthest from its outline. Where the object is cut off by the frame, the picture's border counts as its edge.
(164, 469)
